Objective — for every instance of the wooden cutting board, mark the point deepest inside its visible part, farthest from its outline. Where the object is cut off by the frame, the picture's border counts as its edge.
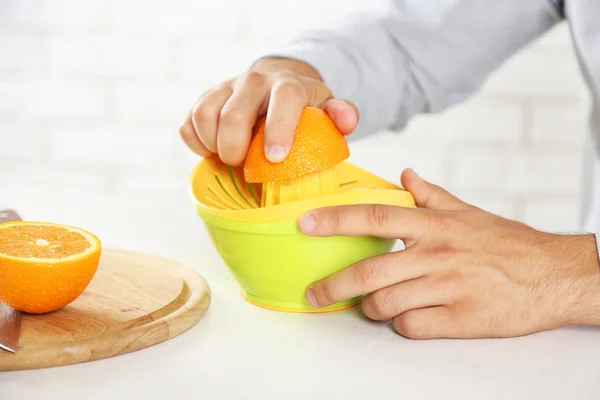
(134, 301)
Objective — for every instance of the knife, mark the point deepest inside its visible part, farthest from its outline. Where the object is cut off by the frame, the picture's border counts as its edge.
(10, 320)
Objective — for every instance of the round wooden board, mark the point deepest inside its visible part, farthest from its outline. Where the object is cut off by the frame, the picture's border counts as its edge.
(134, 301)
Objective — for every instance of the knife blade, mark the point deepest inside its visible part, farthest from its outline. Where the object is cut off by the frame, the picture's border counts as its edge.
(10, 320)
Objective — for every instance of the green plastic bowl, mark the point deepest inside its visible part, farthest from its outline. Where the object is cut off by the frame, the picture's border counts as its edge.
(270, 258)
(274, 263)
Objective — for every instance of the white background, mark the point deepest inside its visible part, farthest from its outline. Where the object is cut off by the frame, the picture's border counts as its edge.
(92, 93)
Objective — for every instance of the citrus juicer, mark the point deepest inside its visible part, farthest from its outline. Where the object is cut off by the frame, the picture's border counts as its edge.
(270, 258)
(254, 225)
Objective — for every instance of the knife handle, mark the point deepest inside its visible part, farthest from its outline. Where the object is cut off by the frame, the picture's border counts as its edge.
(8, 216)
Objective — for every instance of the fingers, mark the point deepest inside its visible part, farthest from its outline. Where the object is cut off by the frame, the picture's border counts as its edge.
(288, 98)
(366, 276)
(343, 113)
(237, 118)
(205, 116)
(222, 120)
(428, 195)
(191, 139)
(428, 323)
(365, 220)
(390, 301)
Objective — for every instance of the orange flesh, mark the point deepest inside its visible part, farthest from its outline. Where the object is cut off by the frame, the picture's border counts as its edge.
(44, 266)
(41, 242)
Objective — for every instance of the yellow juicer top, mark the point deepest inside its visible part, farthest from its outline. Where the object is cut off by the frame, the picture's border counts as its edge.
(314, 174)
(221, 191)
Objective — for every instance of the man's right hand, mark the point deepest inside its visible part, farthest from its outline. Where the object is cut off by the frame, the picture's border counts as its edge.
(222, 119)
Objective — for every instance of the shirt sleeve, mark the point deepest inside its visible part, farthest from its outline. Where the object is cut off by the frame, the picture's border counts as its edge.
(418, 56)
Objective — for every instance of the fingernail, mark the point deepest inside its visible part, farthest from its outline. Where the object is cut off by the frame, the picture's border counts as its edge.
(308, 223)
(276, 153)
(310, 298)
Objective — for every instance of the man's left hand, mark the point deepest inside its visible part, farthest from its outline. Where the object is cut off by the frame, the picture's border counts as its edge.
(464, 272)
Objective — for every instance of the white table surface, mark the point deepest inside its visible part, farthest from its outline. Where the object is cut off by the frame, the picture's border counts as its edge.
(241, 351)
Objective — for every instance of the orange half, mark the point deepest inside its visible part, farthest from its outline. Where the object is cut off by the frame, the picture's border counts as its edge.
(45, 266)
(318, 145)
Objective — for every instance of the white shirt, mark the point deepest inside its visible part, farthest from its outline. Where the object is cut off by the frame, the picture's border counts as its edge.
(422, 56)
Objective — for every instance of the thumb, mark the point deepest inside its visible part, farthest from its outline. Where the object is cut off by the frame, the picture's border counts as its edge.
(428, 195)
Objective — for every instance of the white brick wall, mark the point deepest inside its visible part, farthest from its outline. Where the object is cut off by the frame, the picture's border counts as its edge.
(470, 122)
(61, 99)
(109, 146)
(558, 122)
(24, 50)
(150, 103)
(107, 54)
(92, 92)
(177, 18)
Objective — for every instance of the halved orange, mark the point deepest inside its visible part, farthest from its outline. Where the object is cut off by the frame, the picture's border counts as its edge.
(45, 266)
(318, 145)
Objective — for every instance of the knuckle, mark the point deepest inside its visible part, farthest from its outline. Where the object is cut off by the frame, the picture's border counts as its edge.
(316, 92)
(457, 311)
(378, 304)
(233, 117)
(225, 85)
(377, 215)
(439, 221)
(323, 293)
(185, 130)
(408, 325)
(278, 125)
(203, 111)
(364, 274)
(253, 78)
(286, 75)
(291, 88)
(435, 196)
(190, 138)
(334, 219)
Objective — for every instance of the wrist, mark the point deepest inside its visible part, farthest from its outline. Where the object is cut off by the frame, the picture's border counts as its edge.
(585, 308)
(274, 65)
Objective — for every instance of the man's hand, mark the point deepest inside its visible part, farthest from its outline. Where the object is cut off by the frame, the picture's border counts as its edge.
(464, 273)
(222, 119)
